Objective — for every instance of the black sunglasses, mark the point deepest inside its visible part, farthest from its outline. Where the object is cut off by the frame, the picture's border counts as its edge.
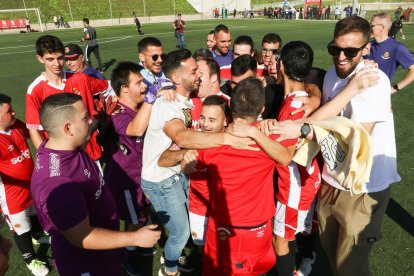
(273, 51)
(156, 56)
(348, 52)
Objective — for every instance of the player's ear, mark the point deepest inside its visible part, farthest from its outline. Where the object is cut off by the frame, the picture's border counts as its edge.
(67, 128)
(366, 50)
(124, 89)
(39, 58)
(175, 78)
(214, 78)
(141, 57)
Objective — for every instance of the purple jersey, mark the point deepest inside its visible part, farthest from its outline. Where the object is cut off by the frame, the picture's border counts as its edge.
(389, 54)
(123, 168)
(223, 60)
(66, 188)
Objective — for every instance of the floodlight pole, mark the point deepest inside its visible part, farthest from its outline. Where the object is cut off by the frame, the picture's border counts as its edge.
(70, 11)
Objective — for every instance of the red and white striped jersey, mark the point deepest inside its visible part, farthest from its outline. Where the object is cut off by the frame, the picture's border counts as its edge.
(297, 185)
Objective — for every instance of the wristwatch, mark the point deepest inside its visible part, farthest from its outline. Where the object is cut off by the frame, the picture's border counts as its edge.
(304, 130)
(395, 86)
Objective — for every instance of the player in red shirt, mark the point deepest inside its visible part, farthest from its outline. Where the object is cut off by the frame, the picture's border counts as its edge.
(16, 166)
(239, 234)
(50, 52)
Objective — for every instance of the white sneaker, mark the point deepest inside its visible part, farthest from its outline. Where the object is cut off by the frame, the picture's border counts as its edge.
(306, 266)
(38, 268)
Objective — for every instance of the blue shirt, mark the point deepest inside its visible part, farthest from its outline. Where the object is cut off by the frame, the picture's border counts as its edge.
(389, 54)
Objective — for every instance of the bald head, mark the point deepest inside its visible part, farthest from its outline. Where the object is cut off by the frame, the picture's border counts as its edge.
(56, 109)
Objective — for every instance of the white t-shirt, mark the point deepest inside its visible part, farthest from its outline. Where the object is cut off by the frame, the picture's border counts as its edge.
(156, 141)
(372, 105)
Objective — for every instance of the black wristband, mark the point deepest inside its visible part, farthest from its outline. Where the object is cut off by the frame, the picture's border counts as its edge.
(395, 86)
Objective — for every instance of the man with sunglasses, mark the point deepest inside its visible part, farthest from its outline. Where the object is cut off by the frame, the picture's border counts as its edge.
(389, 53)
(151, 56)
(350, 224)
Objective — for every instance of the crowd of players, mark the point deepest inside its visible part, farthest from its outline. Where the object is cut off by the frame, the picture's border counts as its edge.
(205, 142)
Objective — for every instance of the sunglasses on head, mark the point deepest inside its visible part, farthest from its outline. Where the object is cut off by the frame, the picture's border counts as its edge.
(273, 51)
(156, 56)
(348, 52)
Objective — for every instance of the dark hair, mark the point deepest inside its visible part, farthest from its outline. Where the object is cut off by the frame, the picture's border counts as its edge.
(248, 98)
(57, 106)
(4, 99)
(221, 28)
(242, 64)
(213, 67)
(272, 38)
(49, 44)
(86, 20)
(211, 32)
(297, 58)
(353, 23)
(173, 61)
(244, 40)
(144, 43)
(202, 53)
(179, 14)
(120, 75)
(218, 101)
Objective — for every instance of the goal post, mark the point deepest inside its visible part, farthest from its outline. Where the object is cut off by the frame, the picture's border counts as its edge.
(22, 13)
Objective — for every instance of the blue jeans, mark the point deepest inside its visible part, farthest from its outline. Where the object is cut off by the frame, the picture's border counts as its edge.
(180, 38)
(170, 200)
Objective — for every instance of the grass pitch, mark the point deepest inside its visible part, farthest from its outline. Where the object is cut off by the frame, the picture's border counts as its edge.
(391, 256)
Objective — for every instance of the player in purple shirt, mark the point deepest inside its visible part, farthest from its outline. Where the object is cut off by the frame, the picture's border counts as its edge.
(71, 199)
(221, 51)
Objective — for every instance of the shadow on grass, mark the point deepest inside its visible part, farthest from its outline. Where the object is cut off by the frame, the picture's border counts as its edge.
(400, 216)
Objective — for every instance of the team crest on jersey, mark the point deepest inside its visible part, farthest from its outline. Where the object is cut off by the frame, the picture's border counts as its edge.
(54, 165)
(386, 55)
(17, 226)
(194, 234)
(187, 115)
(223, 233)
(10, 148)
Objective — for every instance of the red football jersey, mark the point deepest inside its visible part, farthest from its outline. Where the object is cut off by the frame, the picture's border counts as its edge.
(242, 185)
(199, 197)
(297, 185)
(16, 167)
(78, 83)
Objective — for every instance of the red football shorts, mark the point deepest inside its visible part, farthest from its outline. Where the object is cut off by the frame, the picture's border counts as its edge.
(234, 251)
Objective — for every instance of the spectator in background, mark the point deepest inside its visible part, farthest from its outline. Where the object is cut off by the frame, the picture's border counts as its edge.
(328, 12)
(179, 26)
(75, 61)
(137, 25)
(92, 45)
(397, 26)
(398, 13)
(337, 12)
(55, 21)
(28, 25)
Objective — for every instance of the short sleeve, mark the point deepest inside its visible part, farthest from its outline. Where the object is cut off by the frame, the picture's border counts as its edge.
(404, 57)
(168, 112)
(121, 122)
(33, 102)
(85, 30)
(65, 204)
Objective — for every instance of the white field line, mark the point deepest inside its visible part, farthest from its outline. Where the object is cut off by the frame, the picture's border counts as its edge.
(106, 40)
